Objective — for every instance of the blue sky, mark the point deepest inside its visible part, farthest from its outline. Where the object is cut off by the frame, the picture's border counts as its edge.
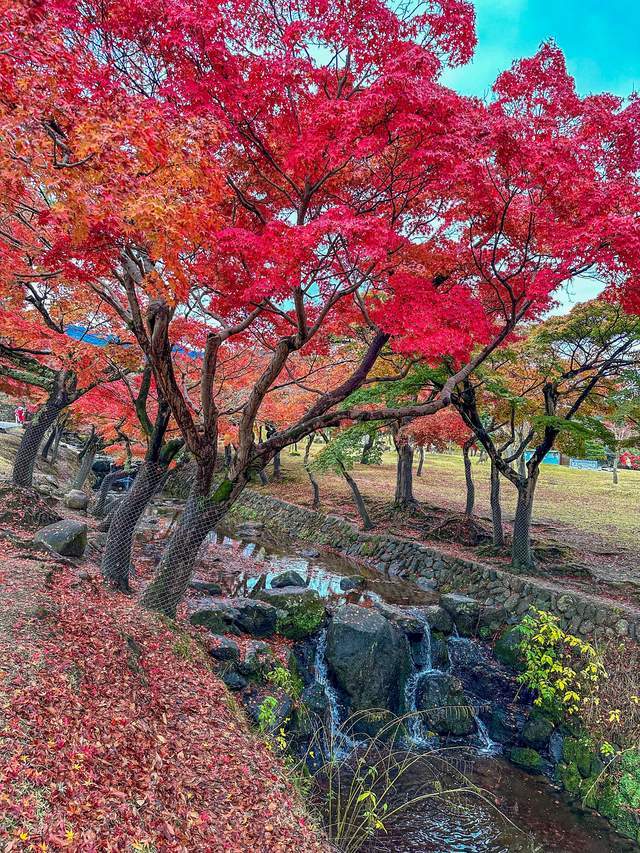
(600, 39)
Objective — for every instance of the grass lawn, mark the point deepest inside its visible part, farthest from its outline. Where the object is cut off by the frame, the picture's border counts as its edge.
(580, 504)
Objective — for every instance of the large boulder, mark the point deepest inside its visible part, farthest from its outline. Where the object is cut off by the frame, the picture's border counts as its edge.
(67, 537)
(300, 610)
(537, 731)
(507, 648)
(76, 499)
(288, 578)
(447, 711)
(405, 618)
(528, 759)
(504, 724)
(481, 674)
(236, 615)
(368, 657)
(464, 610)
(437, 617)
(224, 649)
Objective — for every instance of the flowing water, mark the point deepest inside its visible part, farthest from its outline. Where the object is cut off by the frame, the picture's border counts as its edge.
(515, 812)
(422, 667)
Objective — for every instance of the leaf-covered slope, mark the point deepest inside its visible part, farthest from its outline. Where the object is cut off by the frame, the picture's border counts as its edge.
(116, 735)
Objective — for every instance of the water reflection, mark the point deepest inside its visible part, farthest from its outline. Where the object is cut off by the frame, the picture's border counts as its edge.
(514, 813)
(324, 572)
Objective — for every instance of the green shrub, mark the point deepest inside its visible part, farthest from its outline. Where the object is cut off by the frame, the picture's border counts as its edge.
(563, 670)
(287, 680)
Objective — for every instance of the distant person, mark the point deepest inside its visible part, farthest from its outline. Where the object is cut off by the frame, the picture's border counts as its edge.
(20, 414)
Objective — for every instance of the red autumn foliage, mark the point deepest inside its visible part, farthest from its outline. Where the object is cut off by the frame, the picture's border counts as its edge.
(443, 428)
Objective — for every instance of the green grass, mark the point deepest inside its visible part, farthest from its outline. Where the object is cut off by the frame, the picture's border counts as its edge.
(583, 501)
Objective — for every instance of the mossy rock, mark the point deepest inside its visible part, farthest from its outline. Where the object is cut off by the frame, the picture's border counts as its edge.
(629, 784)
(507, 648)
(579, 752)
(537, 731)
(300, 611)
(527, 758)
(569, 776)
(611, 803)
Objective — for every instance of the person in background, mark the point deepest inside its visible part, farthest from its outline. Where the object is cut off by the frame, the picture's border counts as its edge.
(20, 414)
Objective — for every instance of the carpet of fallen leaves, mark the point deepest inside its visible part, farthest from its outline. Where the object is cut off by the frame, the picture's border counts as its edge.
(115, 734)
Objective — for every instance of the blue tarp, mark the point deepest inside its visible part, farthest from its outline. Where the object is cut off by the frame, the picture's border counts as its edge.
(552, 457)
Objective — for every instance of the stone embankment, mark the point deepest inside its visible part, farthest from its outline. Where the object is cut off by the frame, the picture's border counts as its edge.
(580, 612)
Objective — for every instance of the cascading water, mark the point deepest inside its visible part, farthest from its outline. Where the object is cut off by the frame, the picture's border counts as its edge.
(422, 665)
(486, 746)
(338, 741)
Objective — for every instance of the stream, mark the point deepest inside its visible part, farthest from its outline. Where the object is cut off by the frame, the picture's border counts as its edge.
(518, 812)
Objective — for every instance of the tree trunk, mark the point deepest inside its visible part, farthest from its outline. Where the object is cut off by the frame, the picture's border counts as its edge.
(46, 447)
(359, 500)
(86, 464)
(420, 461)
(522, 553)
(62, 422)
(316, 489)
(173, 574)
(201, 514)
(62, 394)
(314, 483)
(264, 479)
(35, 431)
(468, 476)
(404, 475)
(116, 560)
(616, 462)
(496, 509)
(277, 470)
(366, 450)
(105, 488)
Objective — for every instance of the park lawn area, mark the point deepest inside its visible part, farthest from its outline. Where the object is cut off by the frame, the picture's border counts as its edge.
(567, 499)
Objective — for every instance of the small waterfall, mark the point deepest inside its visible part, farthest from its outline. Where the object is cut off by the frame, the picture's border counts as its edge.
(486, 746)
(422, 664)
(340, 741)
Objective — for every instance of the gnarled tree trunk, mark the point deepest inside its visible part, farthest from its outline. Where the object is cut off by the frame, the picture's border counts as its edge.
(59, 432)
(86, 463)
(62, 394)
(468, 476)
(314, 483)
(522, 556)
(202, 512)
(25, 461)
(116, 559)
(46, 447)
(404, 475)
(359, 500)
(105, 487)
(496, 509)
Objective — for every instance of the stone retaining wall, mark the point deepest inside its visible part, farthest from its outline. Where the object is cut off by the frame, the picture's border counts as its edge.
(579, 612)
